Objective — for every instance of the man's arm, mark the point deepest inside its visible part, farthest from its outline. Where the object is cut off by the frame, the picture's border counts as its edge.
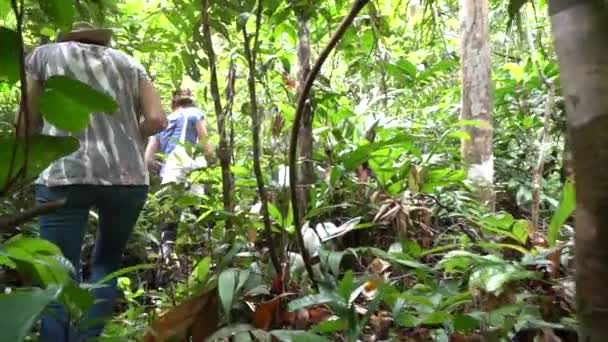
(34, 90)
(154, 116)
(203, 137)
(151, 150)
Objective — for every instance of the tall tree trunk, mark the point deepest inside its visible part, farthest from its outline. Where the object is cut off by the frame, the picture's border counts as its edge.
(580, 29)
(477, 97)
(305, 139)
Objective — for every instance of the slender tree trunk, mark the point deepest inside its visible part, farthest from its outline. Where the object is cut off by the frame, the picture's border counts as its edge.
(580, 29)
(251, 55)
(477, 97)
(224, 152)
(305, 138)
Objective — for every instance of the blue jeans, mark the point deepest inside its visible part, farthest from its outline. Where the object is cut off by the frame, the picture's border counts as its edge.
(118, 207)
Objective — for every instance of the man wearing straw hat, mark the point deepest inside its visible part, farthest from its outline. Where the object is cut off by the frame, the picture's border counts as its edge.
(108, 172)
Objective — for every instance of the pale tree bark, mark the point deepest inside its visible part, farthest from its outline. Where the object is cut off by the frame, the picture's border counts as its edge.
(305, 138)
(476, 103)
(580, 29)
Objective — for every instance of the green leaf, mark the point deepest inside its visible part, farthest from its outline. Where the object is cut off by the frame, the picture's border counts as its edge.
(329, 326)
(465, 323)
(38, 259)
(346, 285)
(61, 11)
(77, 299)
(20, 310)
(310, 300)
(67, 103)
(520, 231)
(9, 56)
(565, 208)
(202, 269)
(227, 287)
(124, 271)
(297, 336)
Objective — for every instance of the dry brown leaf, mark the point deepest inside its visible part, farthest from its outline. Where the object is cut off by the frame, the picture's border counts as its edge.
(265, 313)
(378, 266)
(381, 323)
(252, 234)
(207, 321)
(318, 314)
(179, 319)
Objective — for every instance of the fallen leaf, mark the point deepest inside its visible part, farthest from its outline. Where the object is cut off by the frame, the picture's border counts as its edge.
(180, 318)
(381, 323)
(378, 266)
(252, 234)
(360, 309)
(318, 314)
(265, 313)
(207, 321)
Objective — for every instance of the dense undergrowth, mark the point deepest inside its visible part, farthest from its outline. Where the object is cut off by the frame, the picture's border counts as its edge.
(400, 248)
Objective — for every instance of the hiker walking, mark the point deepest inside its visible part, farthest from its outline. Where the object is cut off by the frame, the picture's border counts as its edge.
(186, 128)
(107, 172)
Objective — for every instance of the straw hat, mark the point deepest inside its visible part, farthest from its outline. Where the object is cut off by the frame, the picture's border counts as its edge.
(83, 30)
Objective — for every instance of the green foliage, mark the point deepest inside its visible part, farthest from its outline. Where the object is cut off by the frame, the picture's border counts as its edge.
(21, 308)
(564, 210)
(60, 11)
(9, 55)
(41, 152)
(67, 103)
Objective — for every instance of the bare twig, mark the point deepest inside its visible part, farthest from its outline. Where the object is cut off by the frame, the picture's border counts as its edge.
(229, 103)
(251, 61)
(9, 222)
(223, 151)
(356, 8)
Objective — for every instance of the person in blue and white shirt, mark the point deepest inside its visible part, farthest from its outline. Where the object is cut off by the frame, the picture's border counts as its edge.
(186, 127)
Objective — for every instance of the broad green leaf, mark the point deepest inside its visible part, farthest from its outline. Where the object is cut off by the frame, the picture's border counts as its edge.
(38, 259)
(329, 326)
(227, 287)
(520, 231)
(42, 151)
(77, 299)
(297, 336)
(9, 56)
(202, 269)
(32, 245)
(61, 11)
(346, 285)
(437, 317)
(67, 103)
(310, 300)
(20, 310)
(465, 323)
(565, 208)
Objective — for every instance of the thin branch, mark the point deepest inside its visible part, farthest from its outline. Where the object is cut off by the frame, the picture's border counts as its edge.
(303, 98)
(251, 57)
(539, 169)
(9, 222)
(18, 10)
